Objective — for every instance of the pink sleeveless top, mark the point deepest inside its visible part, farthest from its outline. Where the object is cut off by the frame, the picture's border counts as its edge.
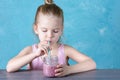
(37, 63)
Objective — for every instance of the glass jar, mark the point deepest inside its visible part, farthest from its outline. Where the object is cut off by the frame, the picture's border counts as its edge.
(49, 66)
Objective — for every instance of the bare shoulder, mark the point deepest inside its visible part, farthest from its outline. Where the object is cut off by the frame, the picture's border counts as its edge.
(67, 46)
(74, 53)
(69, 49)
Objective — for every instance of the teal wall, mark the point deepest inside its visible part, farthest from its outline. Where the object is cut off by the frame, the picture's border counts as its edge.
(91, 26)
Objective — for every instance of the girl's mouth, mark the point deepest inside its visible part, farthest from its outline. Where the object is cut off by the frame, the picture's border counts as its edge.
(49, 41)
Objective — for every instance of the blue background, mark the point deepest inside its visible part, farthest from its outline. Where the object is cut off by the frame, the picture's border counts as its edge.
(91, 26)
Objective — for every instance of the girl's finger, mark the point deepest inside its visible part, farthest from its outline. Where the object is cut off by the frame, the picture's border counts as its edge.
(59, 70)
(58, 74)
(45, 49)
(59, 66)
(40, 51)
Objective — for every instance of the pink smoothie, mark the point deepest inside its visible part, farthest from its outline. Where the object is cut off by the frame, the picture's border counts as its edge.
(49, 70)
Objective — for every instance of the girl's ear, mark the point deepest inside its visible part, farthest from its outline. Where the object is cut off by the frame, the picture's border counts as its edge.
(35, 27)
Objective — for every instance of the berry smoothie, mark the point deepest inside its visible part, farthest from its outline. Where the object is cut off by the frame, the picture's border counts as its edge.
(49, 70)
(49, 66)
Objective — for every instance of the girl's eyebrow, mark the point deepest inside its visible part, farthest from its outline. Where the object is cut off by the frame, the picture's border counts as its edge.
(47, 28)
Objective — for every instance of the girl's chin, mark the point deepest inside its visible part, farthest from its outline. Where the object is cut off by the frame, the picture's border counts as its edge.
(52, 44)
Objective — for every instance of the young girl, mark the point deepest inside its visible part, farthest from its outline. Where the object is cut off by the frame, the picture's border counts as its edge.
(48, 26)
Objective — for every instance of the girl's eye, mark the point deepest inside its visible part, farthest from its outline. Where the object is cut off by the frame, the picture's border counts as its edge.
(55, 31)
(44, 30)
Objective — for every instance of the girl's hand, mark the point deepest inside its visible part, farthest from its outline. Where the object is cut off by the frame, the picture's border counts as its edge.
(42, 48)
(62, 70)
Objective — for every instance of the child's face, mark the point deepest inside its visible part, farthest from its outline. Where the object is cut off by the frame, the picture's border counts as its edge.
(49, 28)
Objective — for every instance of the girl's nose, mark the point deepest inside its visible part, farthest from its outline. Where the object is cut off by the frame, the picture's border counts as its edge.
(50, 34)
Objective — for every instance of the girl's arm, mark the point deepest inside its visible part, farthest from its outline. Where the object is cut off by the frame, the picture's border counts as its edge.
(84, 63)
(26, 56)
(23, 58)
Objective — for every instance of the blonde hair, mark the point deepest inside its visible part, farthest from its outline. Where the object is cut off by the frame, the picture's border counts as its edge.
(49, 8)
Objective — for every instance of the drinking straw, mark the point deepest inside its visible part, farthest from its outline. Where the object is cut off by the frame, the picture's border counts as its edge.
(49, 52)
